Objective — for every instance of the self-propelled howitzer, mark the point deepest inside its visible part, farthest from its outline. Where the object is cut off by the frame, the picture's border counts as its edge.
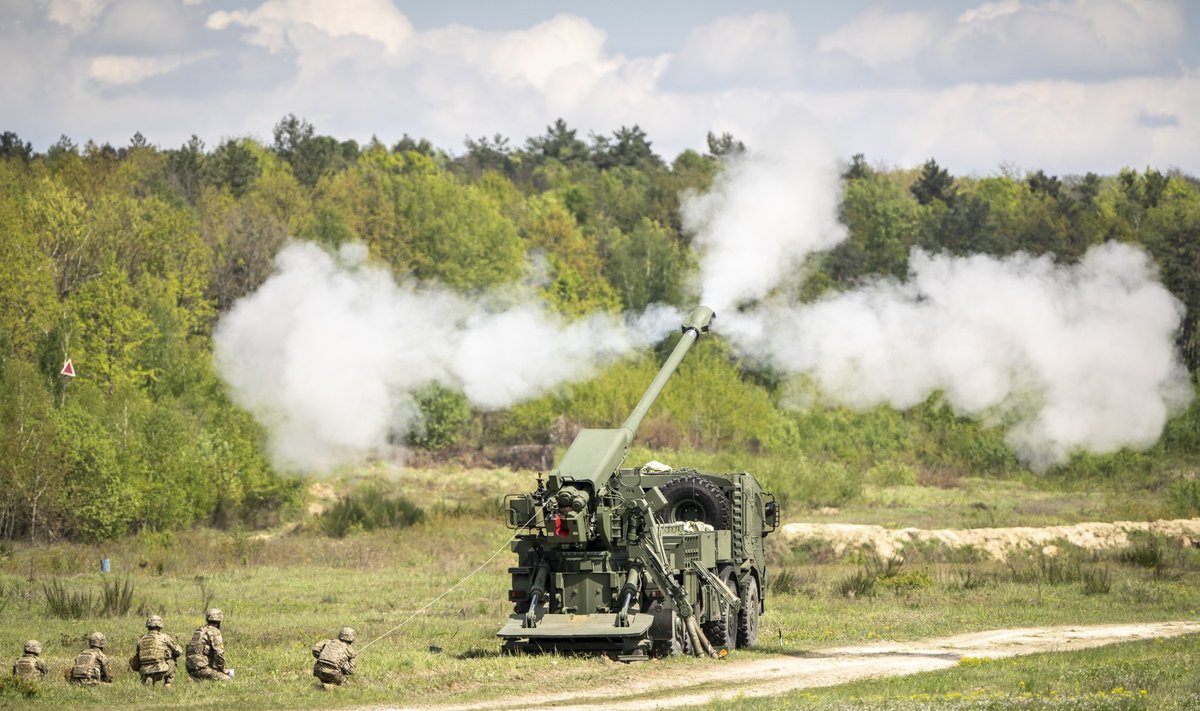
(641, 561)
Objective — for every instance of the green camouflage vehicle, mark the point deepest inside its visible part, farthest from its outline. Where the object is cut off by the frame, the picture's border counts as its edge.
(635, 562)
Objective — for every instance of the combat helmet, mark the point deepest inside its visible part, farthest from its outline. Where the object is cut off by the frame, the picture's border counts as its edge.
(154, 622)
(213, 614)
(97, 640)
(33, 647)
(347, 635)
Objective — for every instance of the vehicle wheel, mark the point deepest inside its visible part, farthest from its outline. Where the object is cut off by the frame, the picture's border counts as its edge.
(747, 619)
(690, 498)
(722, 632)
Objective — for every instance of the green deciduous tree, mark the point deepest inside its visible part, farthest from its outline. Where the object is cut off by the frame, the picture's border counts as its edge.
(646, 266)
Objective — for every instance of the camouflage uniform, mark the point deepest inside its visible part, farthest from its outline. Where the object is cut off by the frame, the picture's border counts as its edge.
(335, 658)
(206, 651)
(30, 666)
(156, 654)
(91, 666)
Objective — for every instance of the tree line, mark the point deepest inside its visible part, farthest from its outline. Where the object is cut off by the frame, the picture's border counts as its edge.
(124, 259)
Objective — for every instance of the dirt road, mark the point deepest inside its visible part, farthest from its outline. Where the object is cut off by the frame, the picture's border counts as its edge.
(828, 667)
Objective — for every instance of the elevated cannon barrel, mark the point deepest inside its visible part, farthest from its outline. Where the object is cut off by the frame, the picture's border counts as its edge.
(693, 327)
(595, 455)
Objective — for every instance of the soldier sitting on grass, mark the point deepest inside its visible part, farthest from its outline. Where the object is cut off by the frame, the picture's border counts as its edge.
(30, 666)
(335, 658)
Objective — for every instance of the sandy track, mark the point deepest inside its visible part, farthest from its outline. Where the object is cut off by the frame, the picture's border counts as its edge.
(997, 542)
(828, 667)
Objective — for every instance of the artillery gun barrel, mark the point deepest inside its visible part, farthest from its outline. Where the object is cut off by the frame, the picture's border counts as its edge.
(696, 324)
(595, 455)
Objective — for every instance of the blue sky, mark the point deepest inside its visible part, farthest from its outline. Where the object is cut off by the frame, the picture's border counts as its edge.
(1064, 85)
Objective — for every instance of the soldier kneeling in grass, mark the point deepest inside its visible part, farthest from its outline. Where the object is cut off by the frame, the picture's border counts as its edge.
(30, 665)
(206, 651)
(91, 666)
(156, 653)
(335, 658)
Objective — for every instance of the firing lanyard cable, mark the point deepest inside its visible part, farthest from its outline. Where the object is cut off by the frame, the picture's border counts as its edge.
(450, 589)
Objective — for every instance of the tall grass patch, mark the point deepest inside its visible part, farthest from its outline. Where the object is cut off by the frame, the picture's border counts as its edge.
(368, 508)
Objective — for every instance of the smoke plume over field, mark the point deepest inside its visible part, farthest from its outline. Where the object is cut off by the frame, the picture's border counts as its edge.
(330, 351)
(1063, 357)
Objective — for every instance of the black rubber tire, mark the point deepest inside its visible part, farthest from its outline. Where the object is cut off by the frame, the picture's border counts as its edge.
(690, 498)
(747, 622)
(722, 632)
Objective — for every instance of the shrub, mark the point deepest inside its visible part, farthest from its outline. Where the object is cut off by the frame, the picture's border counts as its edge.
(892, 474)
(1042, 569)
(1183, 497)
(1096, 581)
(116, 598)
(19, 686)
(367, 509)
(906, 580)
(67, 605)
(876, 572)
(1144, 551)
(443, 414)
(784, 582)
(861, 583)
(969, 579)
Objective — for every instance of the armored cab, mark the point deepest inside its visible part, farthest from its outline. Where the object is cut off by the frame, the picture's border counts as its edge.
(642, 561)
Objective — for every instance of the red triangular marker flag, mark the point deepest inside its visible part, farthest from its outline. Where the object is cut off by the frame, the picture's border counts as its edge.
(68, 369)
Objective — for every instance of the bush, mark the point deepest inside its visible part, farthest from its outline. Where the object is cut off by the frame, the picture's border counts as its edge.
(906, 580)
(892, 474)
(443, 414)
(116, 598)
(18, 686)
(367, 509)
(1183, 497)
(67, 605)
(876, 572)
(1144, 551)
(784, 582)
(1096, 581)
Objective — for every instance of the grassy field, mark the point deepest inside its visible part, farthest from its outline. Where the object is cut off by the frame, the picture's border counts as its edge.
(283, 591)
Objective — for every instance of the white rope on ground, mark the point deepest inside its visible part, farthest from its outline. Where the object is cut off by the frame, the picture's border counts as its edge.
(451, 589)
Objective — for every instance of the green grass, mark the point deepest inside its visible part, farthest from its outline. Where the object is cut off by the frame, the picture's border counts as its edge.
(1156, 674)
(284, 590)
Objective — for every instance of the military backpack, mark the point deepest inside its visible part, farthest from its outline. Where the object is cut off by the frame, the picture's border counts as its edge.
(86, 666)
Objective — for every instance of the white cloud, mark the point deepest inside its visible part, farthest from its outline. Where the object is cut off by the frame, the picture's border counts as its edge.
(762, 48)
(76, 14)
(1067, 39)
(1063, 86)
(274, 21)
(126, 69)
(878, 37)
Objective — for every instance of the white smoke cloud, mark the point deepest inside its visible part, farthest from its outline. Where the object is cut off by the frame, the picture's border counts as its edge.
(1065, 358)
(766, 211)
(329, 352)
(1071, 357)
